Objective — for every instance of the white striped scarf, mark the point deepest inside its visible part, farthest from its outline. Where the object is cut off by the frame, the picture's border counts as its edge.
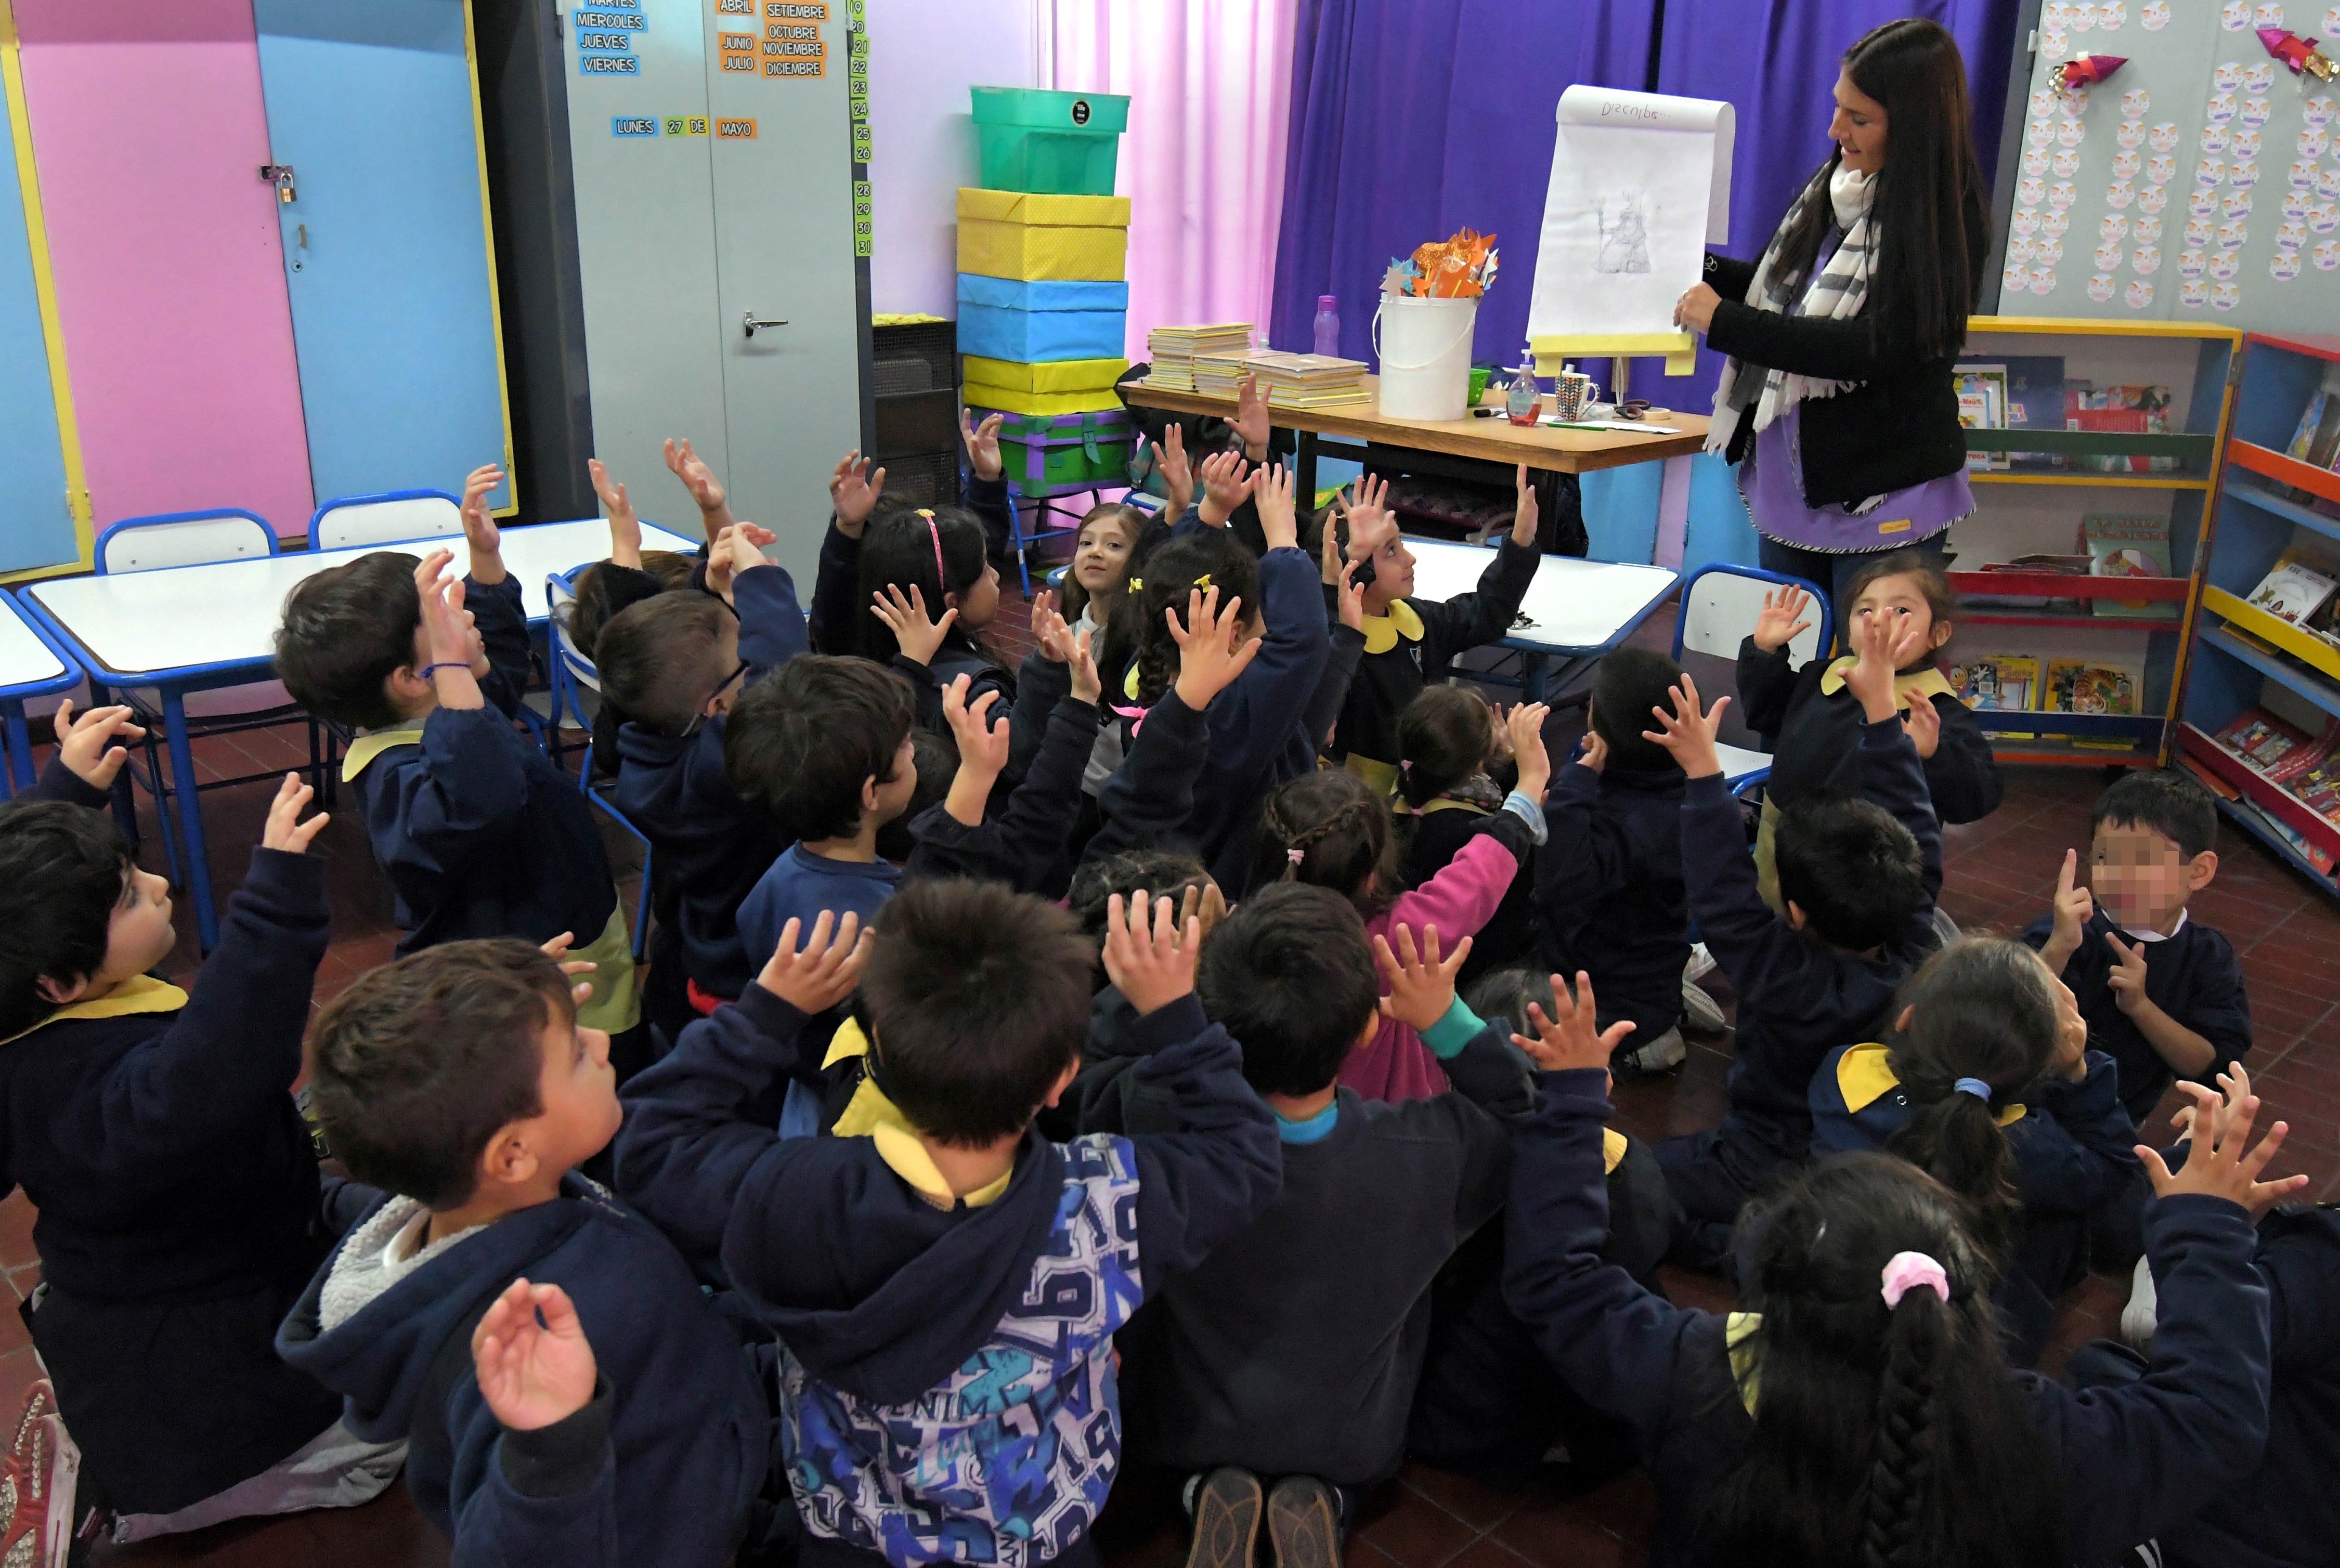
(1835, 294)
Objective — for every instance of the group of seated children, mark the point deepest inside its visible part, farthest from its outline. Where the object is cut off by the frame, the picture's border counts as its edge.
(1184, 1052)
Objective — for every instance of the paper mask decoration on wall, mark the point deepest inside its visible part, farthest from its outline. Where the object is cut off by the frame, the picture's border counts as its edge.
(2299, 55)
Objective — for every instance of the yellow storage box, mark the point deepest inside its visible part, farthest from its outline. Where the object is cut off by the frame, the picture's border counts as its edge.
(1018, 400)
(1061, 376)
(1040, 238)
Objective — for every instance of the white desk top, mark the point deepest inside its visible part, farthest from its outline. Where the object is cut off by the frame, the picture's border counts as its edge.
(25, 659)
(225, 614)
(1572, 606)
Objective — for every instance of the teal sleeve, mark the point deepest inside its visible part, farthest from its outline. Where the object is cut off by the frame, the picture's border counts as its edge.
(1449, 1035)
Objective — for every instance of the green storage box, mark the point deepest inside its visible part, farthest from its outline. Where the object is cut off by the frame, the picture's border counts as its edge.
(1047, 452)
(1050, 143)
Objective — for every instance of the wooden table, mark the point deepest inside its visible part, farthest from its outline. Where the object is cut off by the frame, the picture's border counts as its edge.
(1497, 440)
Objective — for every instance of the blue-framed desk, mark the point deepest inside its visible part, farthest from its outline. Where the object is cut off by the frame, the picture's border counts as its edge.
(31, 665)
(192, 628)
(1575, 610)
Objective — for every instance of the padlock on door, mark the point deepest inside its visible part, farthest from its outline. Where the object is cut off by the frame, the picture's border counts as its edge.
(281, 174)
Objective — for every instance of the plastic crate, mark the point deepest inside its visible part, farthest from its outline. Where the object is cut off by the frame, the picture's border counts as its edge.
(934, 345)
(1055, 143)
(914, 423)
(923, 478)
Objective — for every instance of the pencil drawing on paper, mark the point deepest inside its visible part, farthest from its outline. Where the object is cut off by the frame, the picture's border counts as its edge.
(1624, 231)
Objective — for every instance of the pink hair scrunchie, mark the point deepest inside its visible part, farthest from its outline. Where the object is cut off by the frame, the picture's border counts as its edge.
(1905, 1269)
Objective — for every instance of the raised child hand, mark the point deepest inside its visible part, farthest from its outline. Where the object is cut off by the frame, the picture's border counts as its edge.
(1782, 617)
(1369, 515)
(2126, 977)
(447, 627)
(906, 619)
(1595, 754)
(2071, 1035)
(1051, 633)
(1212, 649)
(1870, 680)
(2075, 907)
(533, 1362)
(625, 527)
(733, 551)
(480, 530)
(557, 950)
(1524, 727)
(1178, 474)
(1147, 954)
(1923, 724)
(853, 491)
(1566, 1038)
(284, 830)
(1278, 516)
(1687, 733)
(828, 968)
(982, 442)
(1226, 481)
(1523, 513)
(1251, 420)
(697, 478)
(982, 745)
(84, 743)
(1421, 987)
(1088, 684)
(2222, 1164)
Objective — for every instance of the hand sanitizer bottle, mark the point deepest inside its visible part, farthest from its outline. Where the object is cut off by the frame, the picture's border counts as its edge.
(1522, 402)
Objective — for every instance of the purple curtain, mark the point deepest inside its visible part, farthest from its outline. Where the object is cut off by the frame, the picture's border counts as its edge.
(1413, 118)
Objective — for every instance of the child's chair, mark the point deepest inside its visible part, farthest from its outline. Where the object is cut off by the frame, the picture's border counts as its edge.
(1719, 607)
(392, 517)
(572, 676)
(196, 539)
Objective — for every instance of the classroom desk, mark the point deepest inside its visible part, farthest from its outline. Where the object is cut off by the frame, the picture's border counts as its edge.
(191, 628)
(31, 665)
(1493, 439)
(1575, 610)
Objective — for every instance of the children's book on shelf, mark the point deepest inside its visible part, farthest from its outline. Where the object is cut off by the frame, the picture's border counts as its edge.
(2296, 586)
(1982, 405)
(1996, 682)
(2315, 854)
(2260, 738)
(1988, 597)
(2312, 437)
(2090, 686)
(2035, 400)
(2124, 544)
(2306, 757)
(2319, 790)
(2127, 410)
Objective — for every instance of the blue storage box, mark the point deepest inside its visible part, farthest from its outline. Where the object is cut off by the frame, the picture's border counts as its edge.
(1041, 323)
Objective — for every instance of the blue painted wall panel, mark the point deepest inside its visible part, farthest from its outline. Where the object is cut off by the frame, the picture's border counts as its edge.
(35, 523)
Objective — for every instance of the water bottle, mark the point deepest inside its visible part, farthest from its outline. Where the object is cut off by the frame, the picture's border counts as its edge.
(1520, 403)
(1328, 327)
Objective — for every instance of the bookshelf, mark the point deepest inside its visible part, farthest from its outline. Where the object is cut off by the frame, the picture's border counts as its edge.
(2033, 502)
(2243, 657)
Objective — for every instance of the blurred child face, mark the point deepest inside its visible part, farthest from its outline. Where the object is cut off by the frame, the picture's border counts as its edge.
(1101, 560)
(2141, 878)
(578, 1091)
(894, 794)
(1901, 596)
(979, 603)
(137, 938)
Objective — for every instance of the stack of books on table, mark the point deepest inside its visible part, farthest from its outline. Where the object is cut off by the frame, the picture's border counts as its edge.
(1218, 375)
(1173, 350)
(1308, 381)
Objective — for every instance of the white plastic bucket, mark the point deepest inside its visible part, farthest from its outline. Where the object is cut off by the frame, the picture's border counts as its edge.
(1424, 349)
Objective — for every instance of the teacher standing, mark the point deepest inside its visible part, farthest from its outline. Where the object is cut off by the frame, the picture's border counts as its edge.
(1837, 403)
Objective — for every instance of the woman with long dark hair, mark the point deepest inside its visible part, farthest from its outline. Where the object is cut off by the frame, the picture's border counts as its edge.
(1837, 403)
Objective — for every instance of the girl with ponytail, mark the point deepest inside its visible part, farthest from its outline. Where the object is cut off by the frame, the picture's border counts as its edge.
(1455, 751)
(1859, 1412)
(1333, 829)
(1986, 1084)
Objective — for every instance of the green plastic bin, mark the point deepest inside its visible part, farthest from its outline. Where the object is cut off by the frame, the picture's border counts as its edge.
(1050, 143)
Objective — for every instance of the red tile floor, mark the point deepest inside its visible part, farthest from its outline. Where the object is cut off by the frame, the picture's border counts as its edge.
(2000, 872)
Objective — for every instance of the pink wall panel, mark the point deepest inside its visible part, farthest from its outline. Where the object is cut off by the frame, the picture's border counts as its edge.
(149, 131)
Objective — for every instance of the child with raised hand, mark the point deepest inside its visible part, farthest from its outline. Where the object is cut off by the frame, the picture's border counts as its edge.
(1411, 643)
(1257, 729)
(462, 1083)
(87, 762)
(1278, 1376)
(673, 666)
(1609, 880)
(945, 1284)
(1985, 1083)
(153, 1128)
(630, 574)
(843, 592)
(1859, 1410)
(1453, 744)
(704, 487)
(1331, 829)
(1023, 844)
(480, 833)
(1856, 883)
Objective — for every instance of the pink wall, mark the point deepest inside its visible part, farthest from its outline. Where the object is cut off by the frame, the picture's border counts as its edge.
(149, 131)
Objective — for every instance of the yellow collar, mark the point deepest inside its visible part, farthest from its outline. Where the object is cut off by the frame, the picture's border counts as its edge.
(1738, 1332)
(142, 994)
(1928, 680)
(1864, 1075)
(1382, 775)
(870, 1114)
(1381, 632)
(1128, 689)
(366, 748)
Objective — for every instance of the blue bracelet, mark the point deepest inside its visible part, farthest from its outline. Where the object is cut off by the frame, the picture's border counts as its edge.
(429, 670)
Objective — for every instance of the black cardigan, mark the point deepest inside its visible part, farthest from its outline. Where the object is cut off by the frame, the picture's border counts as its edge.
(1898, 427)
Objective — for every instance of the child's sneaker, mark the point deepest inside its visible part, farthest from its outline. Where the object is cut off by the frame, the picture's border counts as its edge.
(37, 1481)
(1662, 1055)
(1304, 1524)
(1702, 964)
(1227, 1509)
(2139, 1318)
(1702, 1014)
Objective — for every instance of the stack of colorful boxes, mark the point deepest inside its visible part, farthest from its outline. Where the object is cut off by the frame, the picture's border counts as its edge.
(1043, 306)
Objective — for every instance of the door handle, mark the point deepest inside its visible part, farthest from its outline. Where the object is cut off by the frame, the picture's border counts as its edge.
(280, 174)
(747, 320)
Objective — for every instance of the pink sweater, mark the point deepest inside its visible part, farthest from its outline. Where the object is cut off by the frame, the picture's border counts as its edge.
(1459, 900)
